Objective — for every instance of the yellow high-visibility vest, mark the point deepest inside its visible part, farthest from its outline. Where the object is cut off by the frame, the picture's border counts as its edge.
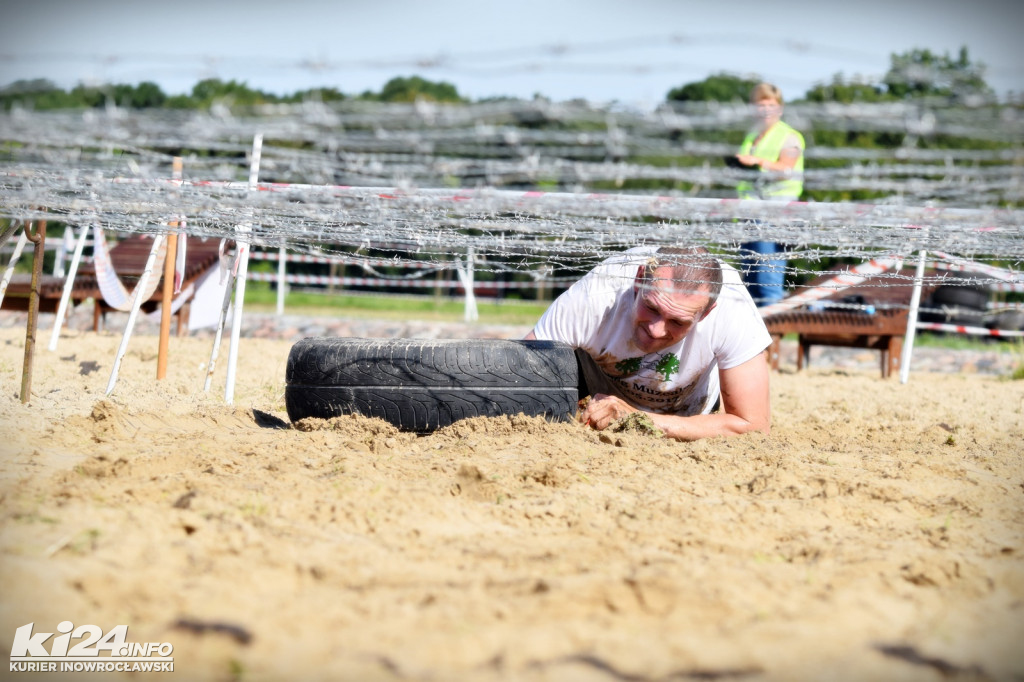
(769, 149)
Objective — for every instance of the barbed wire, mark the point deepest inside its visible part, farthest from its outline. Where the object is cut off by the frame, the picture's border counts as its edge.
(513, 220)
(112, 167)
(309, 120)
(459, 136)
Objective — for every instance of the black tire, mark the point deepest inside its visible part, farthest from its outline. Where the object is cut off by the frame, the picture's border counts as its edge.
(1007, 320)
(971, 297)
(962, 317)
(422, 385)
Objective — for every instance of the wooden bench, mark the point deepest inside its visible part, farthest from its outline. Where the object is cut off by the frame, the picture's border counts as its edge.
(882, 331)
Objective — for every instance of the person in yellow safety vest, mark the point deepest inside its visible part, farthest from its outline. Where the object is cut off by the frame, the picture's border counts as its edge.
(776, 150)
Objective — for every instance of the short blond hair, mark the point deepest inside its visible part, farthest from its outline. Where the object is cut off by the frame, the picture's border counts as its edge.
(765, 91)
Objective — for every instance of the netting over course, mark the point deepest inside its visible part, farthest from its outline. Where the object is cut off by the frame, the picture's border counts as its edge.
(426, 182)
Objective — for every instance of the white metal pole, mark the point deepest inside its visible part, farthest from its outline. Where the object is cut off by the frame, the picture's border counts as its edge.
(220, 331)
(915, 302)
(62, 251)
(136, 304)
(236, 319)
(69, 284)
(466, 276)
(18, 248)
(282, 256)
(242, 257)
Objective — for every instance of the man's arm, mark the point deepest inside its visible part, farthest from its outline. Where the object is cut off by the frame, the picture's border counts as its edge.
(746, 406)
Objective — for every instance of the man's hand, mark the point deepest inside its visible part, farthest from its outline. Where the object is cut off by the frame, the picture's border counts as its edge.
(603, 410)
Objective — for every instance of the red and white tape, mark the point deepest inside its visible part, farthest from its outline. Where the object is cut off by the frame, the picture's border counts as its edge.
(966, 329)
(852, 277)
(378, 282)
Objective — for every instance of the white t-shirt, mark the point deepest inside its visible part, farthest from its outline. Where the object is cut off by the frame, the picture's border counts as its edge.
(596, 315)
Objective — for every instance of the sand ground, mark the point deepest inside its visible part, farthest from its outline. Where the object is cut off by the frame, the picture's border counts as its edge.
(877, 533)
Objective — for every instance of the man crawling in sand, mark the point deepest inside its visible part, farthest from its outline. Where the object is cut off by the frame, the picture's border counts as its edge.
(671, 332)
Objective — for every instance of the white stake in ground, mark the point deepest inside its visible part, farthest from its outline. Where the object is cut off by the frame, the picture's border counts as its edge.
(282, 258)
(18, 248)
(466, 276)
(136, 304)
(908, 341)
(62, 251)
(242, 258)
(69, 284)
(220, 330)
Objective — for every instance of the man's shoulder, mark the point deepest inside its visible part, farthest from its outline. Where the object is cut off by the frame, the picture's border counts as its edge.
(729, 272)
(731, 279)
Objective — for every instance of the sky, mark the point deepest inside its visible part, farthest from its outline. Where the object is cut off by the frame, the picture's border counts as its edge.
(630, 51)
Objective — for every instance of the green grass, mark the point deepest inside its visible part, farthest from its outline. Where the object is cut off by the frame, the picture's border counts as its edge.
(958, 342)
(259, 297)
(964, 342)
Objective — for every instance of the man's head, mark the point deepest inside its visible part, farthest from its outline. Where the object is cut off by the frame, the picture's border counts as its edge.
(677, 288)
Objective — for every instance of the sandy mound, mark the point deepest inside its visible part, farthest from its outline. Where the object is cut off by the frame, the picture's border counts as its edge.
(878, 533)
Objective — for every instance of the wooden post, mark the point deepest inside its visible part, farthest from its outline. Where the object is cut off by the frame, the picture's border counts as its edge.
(39, 239)
(166, 304)
(333, 272)
(168, 292)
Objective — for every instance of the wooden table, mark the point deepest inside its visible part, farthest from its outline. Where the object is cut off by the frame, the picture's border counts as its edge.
(882, 331)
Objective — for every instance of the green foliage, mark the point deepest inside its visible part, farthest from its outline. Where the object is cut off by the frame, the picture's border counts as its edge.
(922, 73)
(43, 95)
(914, 74)
(146, 94)
(316, 95)
(34, 86)
(211, 91)
(39, 94)
(721, 87)
(847, 92)
(89, 96)
(416, 88)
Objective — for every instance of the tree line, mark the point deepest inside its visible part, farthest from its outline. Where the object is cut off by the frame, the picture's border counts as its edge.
(913, 74)
(42, 94)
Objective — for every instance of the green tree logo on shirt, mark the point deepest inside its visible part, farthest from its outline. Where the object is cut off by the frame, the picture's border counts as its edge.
(667, 366)
(628, 366)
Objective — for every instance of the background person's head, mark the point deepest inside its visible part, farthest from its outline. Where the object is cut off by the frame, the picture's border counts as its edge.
(676, 289)
(767, 101)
